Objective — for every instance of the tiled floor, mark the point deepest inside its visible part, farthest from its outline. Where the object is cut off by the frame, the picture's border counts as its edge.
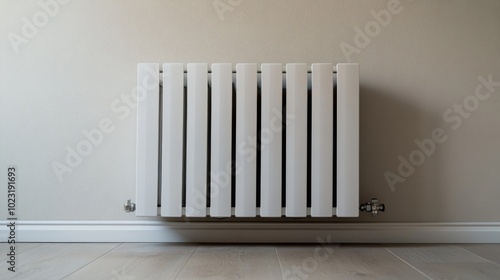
(138, 261)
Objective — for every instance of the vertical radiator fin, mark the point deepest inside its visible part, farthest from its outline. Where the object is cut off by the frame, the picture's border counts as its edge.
(347, 140)
(296, 140)
(220, 174)
(246, 137)
(270, 139)
(322, 140)
(148, 106)
(172, 139)
(196, 142)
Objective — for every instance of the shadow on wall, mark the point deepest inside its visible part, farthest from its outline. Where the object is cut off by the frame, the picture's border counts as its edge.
(389, 127)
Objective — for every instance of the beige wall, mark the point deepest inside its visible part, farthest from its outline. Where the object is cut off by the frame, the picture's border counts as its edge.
(425, 60)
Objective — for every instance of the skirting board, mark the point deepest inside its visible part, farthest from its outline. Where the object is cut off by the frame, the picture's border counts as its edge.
(246, 232)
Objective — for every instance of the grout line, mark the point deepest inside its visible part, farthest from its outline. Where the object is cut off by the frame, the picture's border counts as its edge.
(17, 244)
(190, 256)
(486, 259)
(421, 272)
(102, 255)
(279, 261)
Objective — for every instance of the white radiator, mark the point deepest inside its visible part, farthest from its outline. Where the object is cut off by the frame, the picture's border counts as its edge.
(266, 142)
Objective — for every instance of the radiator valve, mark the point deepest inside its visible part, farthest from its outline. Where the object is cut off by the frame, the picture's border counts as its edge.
(373, 206)
(129, 206)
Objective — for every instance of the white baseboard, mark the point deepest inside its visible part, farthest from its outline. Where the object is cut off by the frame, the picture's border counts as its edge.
(251, 232)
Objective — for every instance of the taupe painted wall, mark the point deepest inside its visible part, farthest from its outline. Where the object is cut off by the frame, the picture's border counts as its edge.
(427, 58)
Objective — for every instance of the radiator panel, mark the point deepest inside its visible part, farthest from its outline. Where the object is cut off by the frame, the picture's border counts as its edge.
(202, 134)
